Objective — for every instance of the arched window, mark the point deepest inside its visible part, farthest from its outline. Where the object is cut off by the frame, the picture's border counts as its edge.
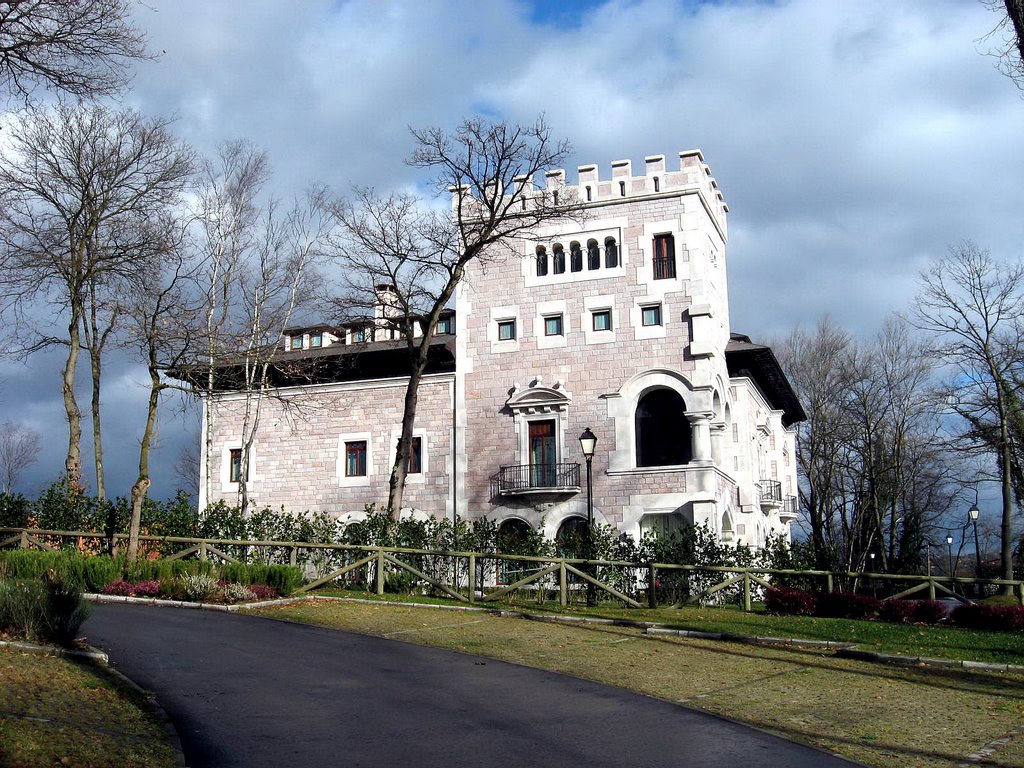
(593, 254)
(622, 189)
(571, 539)
(611, 253)
(662, 430)
(590, 194)
(513, 536)
(542, 261)
(575, 257)
(558, 258)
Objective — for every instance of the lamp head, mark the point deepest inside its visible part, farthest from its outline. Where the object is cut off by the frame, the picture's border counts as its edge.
(974, 512)
(588, 443)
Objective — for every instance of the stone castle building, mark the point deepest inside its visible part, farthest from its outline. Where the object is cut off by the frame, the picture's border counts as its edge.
(618, 322)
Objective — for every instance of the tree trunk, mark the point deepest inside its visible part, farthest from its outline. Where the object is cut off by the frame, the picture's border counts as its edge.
(396, 489)
(143, 482)
(97, 435)
(73, 462)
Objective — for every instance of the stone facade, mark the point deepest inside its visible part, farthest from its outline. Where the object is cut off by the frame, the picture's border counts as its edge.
(616, 321)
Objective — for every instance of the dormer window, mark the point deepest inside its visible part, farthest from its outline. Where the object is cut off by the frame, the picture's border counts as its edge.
(296, 341)
(316, 340)
(358, 335)
(445, 325)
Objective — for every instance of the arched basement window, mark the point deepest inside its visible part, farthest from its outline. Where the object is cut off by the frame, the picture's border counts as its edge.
(662, 430)
(542, 261)
(611, 253)
(558, 258)
(571, 539)
(513, 536)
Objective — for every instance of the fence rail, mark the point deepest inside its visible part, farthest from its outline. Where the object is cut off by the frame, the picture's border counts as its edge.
(474, 576)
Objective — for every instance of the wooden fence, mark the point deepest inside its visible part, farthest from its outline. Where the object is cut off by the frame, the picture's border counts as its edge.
(471, 577)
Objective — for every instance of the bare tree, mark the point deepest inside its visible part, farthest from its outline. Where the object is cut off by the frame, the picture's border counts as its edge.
(1011, 31)
(873, 473)
(19, 450)
(229, 189)
(160, 316)
(81, 48)
(974, 307)
(79, 184)
(421, 255)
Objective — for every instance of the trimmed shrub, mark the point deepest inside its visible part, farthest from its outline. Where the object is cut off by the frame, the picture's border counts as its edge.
(284, 579)
(930, 612)
(49, 609)
(785, 601)
(65, 610)
(995, 618)
(897, 611)
(846, 605)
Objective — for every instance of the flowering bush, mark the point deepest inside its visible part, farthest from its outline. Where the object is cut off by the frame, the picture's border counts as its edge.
(197, 586)
(120, 587)
(234, 593)
(262, 592)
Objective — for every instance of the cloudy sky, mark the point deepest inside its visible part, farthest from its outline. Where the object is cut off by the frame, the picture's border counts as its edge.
(853, 141)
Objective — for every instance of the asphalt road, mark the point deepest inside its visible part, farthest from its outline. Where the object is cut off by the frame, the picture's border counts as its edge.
(245, 691)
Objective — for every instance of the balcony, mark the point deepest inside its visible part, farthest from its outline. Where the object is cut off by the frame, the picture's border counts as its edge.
(770, 495)
(536, 479)
(790, 509)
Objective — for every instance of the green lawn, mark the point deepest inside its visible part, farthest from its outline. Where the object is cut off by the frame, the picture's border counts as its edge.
(54, 711)
(908, 639)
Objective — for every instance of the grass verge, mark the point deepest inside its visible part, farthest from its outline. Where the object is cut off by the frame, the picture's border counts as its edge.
(907, 639)
(883, 716)
(55, 711)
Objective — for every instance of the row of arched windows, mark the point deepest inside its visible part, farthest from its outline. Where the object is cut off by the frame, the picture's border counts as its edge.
(576, 257)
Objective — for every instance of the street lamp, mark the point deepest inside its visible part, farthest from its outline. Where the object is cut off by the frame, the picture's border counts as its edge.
(973, 513)
(588, 443)
(949, 547)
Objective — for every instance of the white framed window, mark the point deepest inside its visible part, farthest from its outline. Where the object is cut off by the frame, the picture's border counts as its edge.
(418, 464)
(601, 320)
(316, 340)
(551, 324)
(233, 465)
(355, 459)
(650, 314)
(504, 329)
(296, 341)
(648, 317)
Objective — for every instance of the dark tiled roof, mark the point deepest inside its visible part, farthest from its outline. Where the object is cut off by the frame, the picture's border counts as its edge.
(757, 362)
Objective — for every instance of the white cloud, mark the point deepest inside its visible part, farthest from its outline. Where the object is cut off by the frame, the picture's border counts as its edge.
(853, 141)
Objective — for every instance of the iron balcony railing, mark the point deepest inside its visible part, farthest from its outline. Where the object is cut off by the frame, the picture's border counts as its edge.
(535, 478)
(770, 492)
(790, 507)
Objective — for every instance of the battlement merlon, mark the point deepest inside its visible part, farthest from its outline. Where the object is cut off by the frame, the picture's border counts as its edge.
(694, 174)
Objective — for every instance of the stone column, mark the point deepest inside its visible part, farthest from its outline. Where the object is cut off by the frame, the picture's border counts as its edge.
(700, 428)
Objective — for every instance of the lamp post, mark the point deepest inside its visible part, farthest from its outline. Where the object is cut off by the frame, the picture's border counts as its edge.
(949, 549)
(973, 513)
(588, 442)
(874, 587)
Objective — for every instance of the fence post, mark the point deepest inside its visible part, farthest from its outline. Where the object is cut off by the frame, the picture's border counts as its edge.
(202, 550)
(23, 544)
(746, 591)
(563, 591)
(931, 588)
(472, 578)
(380, 571)
(652, 586)
(293, 556)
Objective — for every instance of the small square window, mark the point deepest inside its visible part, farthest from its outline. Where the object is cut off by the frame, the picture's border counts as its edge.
(235, 468)
(355, 458)
(553, 325)
(316, 340)
(444, 325)
(651, 315)
(297, 341)
(414, 462)
(358, 335)
(602, 320)
(506, 330)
